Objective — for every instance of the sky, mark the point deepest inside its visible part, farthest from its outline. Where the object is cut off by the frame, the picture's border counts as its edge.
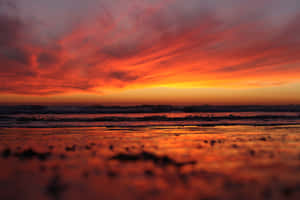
(150, 51)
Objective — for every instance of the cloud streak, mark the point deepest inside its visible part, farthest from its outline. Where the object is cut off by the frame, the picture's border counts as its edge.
(50, 47)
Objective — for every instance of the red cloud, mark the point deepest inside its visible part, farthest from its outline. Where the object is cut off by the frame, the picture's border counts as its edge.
(149, 44)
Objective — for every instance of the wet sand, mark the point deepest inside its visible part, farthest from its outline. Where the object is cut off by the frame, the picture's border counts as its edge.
(170, 162)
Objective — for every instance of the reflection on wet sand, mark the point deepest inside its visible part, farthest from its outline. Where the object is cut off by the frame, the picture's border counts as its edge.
(169, 162)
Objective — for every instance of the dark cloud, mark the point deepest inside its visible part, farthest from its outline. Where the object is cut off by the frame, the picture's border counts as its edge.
(48, 58)
(123, 76)
(16, 54)
(14, 58)
(9, 30)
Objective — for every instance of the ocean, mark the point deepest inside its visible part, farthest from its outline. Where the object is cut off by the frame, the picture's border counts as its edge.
(50, 152)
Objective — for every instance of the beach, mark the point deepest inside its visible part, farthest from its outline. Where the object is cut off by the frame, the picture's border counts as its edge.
(151, 162)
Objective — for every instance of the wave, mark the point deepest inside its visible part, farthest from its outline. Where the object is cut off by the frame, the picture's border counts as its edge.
(156, 120)
(151, 118)
(129, 125)
(37, 109)
(120, 119)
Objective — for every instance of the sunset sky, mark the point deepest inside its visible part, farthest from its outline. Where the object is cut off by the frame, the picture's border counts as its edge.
(150, 51)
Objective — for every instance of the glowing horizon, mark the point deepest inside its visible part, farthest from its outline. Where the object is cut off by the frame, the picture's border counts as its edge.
(150, 52)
